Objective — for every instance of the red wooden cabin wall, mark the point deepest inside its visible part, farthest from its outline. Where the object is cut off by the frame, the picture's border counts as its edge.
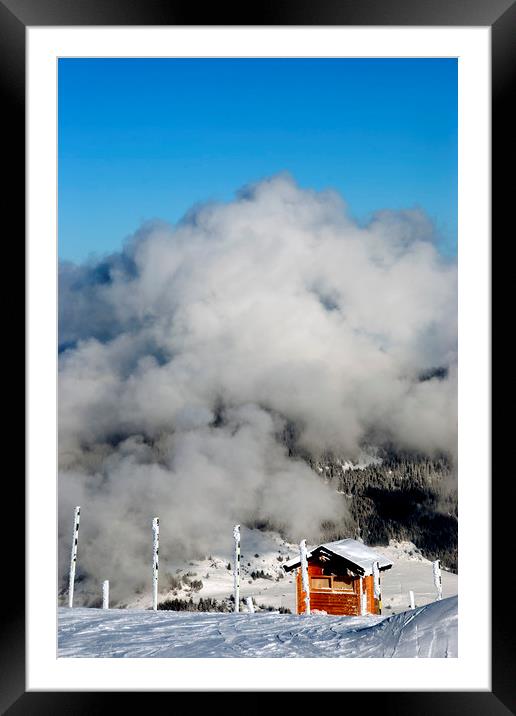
(340, 603)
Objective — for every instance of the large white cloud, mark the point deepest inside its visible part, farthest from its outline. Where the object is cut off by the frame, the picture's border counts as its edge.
(190, 350)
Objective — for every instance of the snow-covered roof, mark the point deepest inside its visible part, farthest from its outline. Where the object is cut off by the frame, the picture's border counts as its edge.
(351, 550)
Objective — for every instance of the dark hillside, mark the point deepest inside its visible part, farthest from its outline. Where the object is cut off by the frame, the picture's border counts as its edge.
(404, 497)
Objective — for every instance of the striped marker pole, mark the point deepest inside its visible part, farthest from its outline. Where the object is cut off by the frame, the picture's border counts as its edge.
(436, 568)
(155, 558)
(304, 574)
(412, 600)
(105, 594)
(236, 571)
(73, 558)
(377, 585)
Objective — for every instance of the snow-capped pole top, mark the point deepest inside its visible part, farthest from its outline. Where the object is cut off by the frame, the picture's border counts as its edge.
(358, 556)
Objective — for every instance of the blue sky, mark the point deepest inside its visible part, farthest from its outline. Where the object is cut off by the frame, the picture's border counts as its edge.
(148, 138)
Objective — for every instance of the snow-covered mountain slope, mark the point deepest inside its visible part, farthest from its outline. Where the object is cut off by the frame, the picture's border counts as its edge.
(429, 631)
(266, 551)
(261, 552)
(411, 571)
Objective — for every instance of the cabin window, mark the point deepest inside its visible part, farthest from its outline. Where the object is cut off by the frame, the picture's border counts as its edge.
(343, 584)
(320, 582)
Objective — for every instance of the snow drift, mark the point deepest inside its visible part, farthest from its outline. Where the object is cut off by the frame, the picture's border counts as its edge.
(429, 631)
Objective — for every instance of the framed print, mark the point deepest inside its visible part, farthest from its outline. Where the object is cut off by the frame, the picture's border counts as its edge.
(258, 307)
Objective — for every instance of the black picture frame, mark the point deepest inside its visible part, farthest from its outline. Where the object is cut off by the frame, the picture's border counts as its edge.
(500, 16)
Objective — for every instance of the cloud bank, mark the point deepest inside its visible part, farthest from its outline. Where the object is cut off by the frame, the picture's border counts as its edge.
(187, 355)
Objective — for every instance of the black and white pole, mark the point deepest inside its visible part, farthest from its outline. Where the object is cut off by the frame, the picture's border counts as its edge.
(412, 600)
(304, 574)
(155, 558)
(236, 570)
(377, 585)
(73, 558)
(105, 594)
(250, 605)
(436, 568)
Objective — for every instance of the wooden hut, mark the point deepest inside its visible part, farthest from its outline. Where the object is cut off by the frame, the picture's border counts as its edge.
(339, 574)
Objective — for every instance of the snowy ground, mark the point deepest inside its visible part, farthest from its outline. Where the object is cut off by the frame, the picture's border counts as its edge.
(429, 631)
(266, 551)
